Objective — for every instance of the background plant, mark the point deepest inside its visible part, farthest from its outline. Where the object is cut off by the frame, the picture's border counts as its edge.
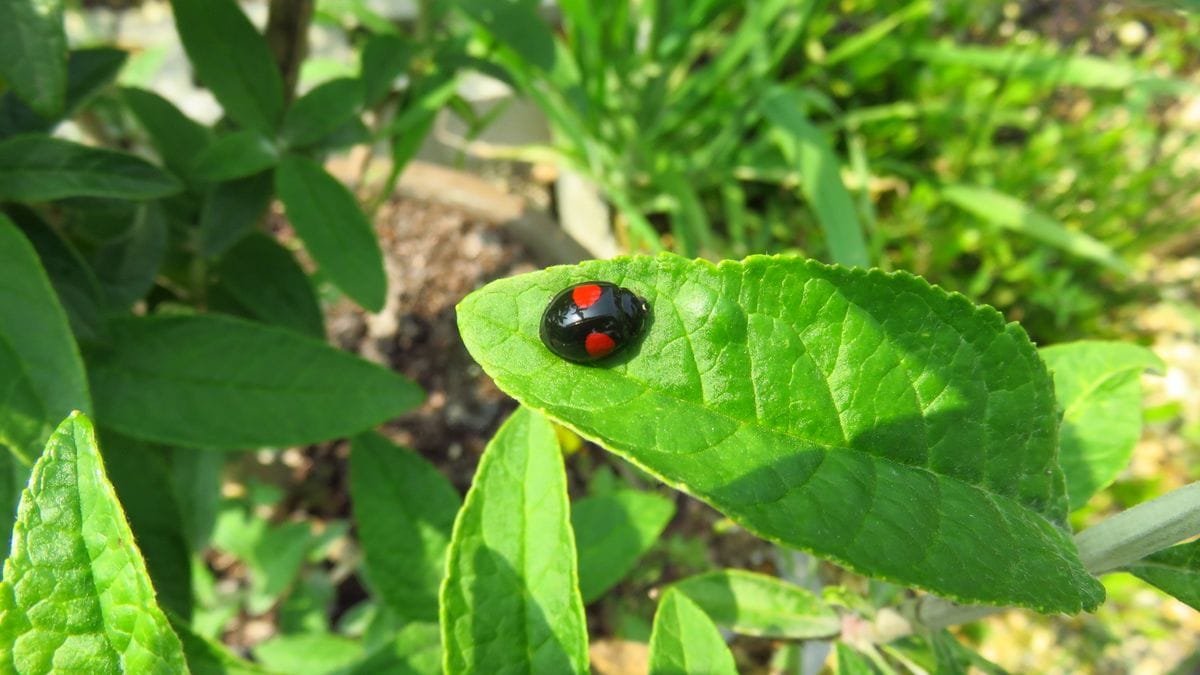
(156, 297)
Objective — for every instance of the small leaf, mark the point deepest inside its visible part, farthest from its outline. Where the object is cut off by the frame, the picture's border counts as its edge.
(235, 155)
(318, 113)
(334, 229)
(231, 210)
(869, 418)
(309, 653)
(36, 168)
(384, 59)
(757, 604)
(39, 354)
(1015, 215)
(143, 484)
(177, 137)
(611, 532)
(516, 25)
(405, 510)
(265, 280)
(685, 641)
(75, 595)
(851, 662)
(510, 600)
(416, 650)
(205, 657)
(1098, 387)
(232, 60)
(33, 53)
(1174, 570)
(88, 71)
(820, 177)
(74, 282)
(127, 266)
(210, 381)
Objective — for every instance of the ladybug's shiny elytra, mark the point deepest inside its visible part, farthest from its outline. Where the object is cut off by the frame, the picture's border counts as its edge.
(593, 320)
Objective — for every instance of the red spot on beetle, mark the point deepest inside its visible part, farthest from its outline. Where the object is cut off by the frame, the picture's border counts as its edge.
(584, 296)
(598, 344)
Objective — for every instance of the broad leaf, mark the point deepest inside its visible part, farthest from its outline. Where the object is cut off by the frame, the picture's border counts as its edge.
(1098, 387)
(127, 266)
(88, 71)
(1013, 214)
(231, 209)
(35, 168)
(820, 177)
(405, 510)
(1174, 570)
(232, 60)
(73, 280)
(310, 653)
(611, 532)
(225, 383)
(196, 478)
(868, 418)
(334, 229)
(321, 111)
(236, 155)
(33, 53)
(264, 279)
(516, 25)
(75, 595)
(757, 604)
(510, 600)
(685, 640)
(41, 372)
(384, 59)
(140, 476)
(177, 137)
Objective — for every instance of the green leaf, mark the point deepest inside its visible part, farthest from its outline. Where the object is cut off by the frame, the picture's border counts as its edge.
(757, 604)
(321, 111)
(264, 278)
(73, 280)
(232, 60)
(1079, 70)
(416, 650)
(516, 25)
(205, 657)
(13, 476)
(334, 229)
(40, 368)
(868, 418)
(611, 532)
(405, 510)
(1013, 214)
(820, 176)
(310, 653)
(33, 53)
(384, 58)
(128, 265)
(510, 600)
(274, 554)
(36, 168)
(1098, 387)
(851, 662)
(1174, 570)
(75, 595)
(140, 476)
(196, 477)
(231, 209)
(177, 137)
(88, 71)
(210, 381)
(685, 641)
(235, 155)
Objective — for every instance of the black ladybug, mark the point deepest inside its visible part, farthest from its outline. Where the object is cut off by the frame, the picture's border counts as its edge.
(593, 320)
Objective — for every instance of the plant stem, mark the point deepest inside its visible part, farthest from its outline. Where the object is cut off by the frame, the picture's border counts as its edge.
(287, 36)
(1106, 547)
